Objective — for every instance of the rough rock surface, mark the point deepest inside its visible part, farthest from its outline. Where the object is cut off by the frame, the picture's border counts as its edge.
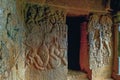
(37, 49)
(10, 42)
(45, 42)
(100, 42)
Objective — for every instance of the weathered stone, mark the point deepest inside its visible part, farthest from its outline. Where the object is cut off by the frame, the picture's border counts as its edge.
(76, 75)
(80, 7)
(46, 42)
(10, 42)
(37, 49)
(100, 42)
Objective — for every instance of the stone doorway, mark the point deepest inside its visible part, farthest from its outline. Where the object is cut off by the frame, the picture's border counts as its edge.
(74, 42)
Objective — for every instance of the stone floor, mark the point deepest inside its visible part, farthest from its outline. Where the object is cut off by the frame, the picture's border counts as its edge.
(76, 75)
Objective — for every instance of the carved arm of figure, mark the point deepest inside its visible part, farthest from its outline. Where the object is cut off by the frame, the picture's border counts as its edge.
(39, 16)
(43, 53)
(38, 61)
(106, 22)
(101, 39)
(54, 56)
(62, 56)
(107, 40)
(108, 47)
(92, 41)
(34, 59)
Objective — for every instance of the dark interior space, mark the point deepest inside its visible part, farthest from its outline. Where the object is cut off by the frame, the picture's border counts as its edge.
(74, 41)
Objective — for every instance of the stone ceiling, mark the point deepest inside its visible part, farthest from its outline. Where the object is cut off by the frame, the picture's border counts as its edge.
(75, 7)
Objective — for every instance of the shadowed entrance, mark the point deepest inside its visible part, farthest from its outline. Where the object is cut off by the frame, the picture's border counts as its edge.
(74, 41)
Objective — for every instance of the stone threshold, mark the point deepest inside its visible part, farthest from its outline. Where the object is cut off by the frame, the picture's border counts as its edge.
(76, 75)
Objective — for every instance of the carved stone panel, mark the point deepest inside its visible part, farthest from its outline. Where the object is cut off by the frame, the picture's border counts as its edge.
(100, 43)
(46, 38)
(100, 36)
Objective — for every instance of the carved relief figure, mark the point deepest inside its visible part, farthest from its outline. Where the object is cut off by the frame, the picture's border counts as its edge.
(46, 38)
(100, 40)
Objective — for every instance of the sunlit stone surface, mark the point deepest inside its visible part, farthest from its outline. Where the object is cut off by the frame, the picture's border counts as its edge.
(76, 75)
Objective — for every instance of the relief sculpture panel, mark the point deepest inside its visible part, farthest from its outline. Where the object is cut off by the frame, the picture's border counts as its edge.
(100, 40)
(100, 46)
(46, 37)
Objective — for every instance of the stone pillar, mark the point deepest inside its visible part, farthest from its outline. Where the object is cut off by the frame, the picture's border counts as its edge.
(116, 40)
(101, 50)
(45, 43)
(11, 57)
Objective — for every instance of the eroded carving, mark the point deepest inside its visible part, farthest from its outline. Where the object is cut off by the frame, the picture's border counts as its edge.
(9, 41)
(45, 37)
(99, 40)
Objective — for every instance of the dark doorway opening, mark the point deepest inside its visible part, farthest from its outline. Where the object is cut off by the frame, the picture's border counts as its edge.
(74, 41)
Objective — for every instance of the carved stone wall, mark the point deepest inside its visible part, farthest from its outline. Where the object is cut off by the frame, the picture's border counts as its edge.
(45, 42)
(11, 65)
(100, 43)
(38, 50)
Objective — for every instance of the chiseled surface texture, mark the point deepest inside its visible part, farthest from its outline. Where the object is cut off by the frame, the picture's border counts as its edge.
(45, 42)
(76, 75)
(100, 42)
(10, 42)
(37, 50)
